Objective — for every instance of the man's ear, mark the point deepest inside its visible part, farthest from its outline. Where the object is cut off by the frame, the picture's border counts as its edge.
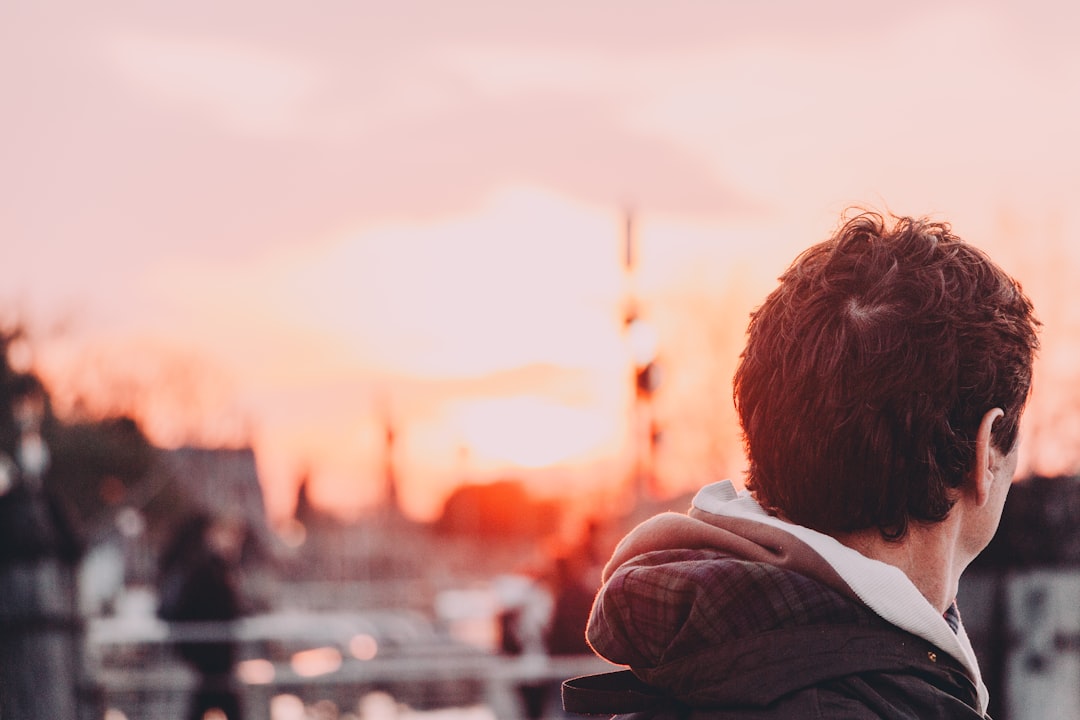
(985, 456)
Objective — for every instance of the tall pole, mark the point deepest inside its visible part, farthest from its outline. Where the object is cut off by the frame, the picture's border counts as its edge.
(390, 490)
(643, 377)
(389, 507)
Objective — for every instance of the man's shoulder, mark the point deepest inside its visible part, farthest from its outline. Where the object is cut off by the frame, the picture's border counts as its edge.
(807, 672)
(716, 583)
(706, 630)
(670, 607)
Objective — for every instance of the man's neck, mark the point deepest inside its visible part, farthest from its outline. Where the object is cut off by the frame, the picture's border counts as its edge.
(928, 554)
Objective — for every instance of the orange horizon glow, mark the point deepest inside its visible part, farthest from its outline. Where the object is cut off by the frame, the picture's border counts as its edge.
(561, 423)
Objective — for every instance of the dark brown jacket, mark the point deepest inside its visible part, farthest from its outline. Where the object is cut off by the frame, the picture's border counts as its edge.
(713, 633)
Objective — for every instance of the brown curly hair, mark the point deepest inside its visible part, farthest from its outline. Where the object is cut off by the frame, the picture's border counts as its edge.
(868, 369)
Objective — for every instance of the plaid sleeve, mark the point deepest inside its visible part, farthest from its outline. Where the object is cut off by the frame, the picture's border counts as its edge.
(671, 603)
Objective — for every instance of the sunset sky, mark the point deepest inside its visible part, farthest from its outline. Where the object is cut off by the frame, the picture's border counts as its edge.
(267, 223)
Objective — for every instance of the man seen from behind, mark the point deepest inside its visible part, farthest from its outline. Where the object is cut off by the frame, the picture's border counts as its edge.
(880, 394)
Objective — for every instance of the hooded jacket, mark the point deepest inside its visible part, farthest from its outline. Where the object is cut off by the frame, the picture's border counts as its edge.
(729, 612)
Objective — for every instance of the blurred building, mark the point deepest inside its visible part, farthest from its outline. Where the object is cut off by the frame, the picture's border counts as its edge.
(223, 480)
(1020, 604)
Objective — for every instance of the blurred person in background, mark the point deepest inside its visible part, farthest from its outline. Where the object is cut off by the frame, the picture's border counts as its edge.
(573, 596)
(198, 582)
(546, 616)
(880, 393)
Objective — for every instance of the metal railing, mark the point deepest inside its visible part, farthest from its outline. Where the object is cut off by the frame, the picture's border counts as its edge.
(130, 667)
